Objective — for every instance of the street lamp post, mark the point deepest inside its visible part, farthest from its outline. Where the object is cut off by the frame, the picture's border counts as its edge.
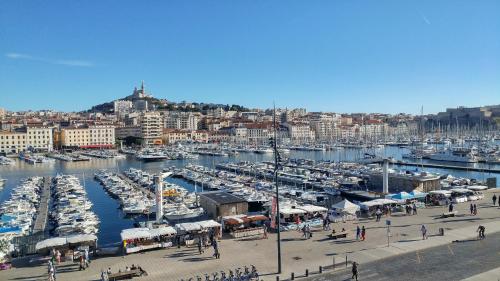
(276, 166)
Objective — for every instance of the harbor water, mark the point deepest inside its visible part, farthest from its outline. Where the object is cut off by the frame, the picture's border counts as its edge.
(107, 208)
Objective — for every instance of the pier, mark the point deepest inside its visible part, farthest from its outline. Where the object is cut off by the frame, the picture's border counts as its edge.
(43, 208)
(129, 181)
(451, 167)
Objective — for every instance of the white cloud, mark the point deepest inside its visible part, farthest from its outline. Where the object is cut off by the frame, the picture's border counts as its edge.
(78, 63)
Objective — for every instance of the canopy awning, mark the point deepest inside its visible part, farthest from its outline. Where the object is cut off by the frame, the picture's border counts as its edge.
(209, 224)
(51, 243)
(137, 233)
(312, 209)
(346, 206)
(477, 187)
(377, 202)
(402, 196)
(81, 238)
(292, 211)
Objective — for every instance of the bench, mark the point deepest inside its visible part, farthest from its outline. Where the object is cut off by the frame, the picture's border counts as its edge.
(338, 235)
(125, 275)
(449, 214)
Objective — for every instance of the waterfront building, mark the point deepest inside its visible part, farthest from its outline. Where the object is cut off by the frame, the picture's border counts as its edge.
(171, 136)
(151, 128)
(259, 133)
(299, 132)
(95, 136)
(39, 138)
(2, 113)
(220, 204)
(399, 182)
(128, 131)
(12, 142)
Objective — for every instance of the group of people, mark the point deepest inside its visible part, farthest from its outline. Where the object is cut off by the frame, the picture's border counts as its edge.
(306, 232)
(411, 209)
(473, 209)
(360, 233)
(106, 273)
(84, 260)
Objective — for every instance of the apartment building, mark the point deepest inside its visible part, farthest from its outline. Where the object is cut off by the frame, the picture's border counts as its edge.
(182, 120)
(300, 132)
(96, 136)
(151, 128)
(12, 142)
(40, 138)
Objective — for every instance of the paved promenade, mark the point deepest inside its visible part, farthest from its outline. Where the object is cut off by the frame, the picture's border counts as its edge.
(298, 254)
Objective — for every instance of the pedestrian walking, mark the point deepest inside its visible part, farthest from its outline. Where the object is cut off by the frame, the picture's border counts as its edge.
(52, 276)
(450, 208)
(471, 209)
(481, 229)
(475, 210)
(414, 208)
(494, 199)
(264, 227)
(378, 214)
(216, 250)
(81, 263)
(358, 232)
(58, 257)
(200, 249)
(355, 271)
(424, 232)
(363, 233)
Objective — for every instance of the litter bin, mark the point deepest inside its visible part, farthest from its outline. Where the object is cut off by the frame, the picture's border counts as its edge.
(441, 231)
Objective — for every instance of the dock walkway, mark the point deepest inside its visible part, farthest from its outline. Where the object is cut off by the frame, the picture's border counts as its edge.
(452, 167)
(129, 181)
(43, 209)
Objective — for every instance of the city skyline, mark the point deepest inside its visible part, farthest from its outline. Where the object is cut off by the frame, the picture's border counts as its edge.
(324, 56)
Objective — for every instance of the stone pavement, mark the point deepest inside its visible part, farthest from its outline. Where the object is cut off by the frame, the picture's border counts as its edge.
(297, 254)
(492, 275)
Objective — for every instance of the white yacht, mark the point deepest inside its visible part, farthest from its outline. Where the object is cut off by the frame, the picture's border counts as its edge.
(448, 155)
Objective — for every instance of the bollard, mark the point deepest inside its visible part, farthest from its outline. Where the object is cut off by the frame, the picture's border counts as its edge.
(277, 278)
(293, 276)
(345, 261)
(307, 272)
(320, 269)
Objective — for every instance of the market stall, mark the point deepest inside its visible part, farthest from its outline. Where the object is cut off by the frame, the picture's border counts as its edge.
(189, 231)
(343, 211)
(370, 207)
(244, 226)
(140, 239)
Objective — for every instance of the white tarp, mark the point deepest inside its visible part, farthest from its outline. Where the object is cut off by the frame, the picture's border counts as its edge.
(155, 232)
(443, 192)
(80, 238)
(292, 211)
(136, 233)
(188, 226)
(51, 242)
(209, 224)
(312, 209)
(377, 202)
(346, 206)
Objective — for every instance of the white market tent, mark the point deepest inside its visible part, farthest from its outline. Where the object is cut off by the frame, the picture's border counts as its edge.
(443, 192)
(346, 206)
(209, 224)
(312, 209)
(63, 241)
(196, 226)
(292, 211)
(377, 202)
(51, 243)
(137, 233)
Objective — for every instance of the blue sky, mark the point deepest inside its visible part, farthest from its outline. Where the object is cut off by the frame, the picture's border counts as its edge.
(336, 55)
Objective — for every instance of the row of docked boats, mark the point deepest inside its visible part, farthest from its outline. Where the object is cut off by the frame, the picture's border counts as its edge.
(69, 157)
(35, 159)
(160, 154)
(18, 213)
(178, 203)
(6, 161)
(133, 200)
(71, 210)
(103, 154)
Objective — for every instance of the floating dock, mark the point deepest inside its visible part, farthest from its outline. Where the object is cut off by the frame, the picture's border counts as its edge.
(443, 166)
(43, 209)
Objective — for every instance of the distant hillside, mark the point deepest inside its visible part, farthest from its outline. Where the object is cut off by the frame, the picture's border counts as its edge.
(161, 104)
